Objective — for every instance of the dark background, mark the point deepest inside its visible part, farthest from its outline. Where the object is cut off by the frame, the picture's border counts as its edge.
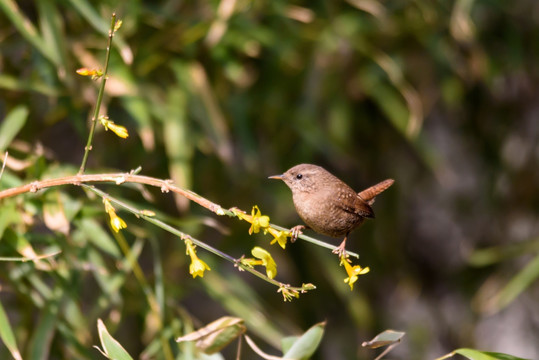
(441, 96)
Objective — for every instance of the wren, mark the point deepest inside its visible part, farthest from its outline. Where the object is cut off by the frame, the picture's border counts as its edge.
(326, 204)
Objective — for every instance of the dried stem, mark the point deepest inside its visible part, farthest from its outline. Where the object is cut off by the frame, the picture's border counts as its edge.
(117, 178)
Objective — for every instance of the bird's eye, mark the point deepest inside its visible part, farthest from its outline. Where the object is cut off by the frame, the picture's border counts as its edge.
(299, 176)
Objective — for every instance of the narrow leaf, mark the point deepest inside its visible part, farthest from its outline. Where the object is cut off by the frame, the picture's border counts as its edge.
(44, 333)
(11, 125)
(518, 284)
(305, 346)
(385, 338)
(27, 29)
(6, 333)
(111, 347)
(473, 354)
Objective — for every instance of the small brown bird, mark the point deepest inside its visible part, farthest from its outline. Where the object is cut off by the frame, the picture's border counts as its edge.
(326, 204)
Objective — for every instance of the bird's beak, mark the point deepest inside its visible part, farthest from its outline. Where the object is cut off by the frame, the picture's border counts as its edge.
(277, 177)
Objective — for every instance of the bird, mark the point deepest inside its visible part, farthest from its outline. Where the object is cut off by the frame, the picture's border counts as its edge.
(328, 205)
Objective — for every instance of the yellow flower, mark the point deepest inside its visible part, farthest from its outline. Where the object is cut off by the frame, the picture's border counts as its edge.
(116, 222)
(267, 261)
(264, 259)
(279, 236)
(118, 25)
(197, 266)
(352, 271)
(258, 221)
(94, 73)
(119, 130)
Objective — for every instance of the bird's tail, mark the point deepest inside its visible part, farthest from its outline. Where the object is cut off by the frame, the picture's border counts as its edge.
(368, 195)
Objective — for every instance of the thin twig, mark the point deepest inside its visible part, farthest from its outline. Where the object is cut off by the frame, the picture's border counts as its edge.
(88, 146)
(4, 164)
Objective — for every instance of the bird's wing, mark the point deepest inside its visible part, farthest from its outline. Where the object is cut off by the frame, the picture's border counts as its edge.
(356, 205)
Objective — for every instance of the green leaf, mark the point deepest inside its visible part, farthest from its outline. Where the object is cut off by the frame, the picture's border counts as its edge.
(6, 333)
(99, 23)
(27, 29)
(473, 354)
(216, 335)
(9, 215)
(178, 144)
(44, 333)
(99, 237)
(516, 286)
(111, 347)
(499, 253)
(305, 346)
(11, 125)
(385, 338)
(50, 22)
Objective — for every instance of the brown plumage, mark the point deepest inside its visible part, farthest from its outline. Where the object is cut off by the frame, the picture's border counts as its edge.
(326, 204)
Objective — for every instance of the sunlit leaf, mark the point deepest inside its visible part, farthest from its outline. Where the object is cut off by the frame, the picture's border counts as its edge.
(508, 293)
(216, 335)
(11, 125)
(6, 333)
(112, 349)
(305, 346)
(385, 338)
(473, 354)
(43, 333)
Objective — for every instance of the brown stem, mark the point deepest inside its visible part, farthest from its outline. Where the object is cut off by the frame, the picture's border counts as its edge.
(117, 178)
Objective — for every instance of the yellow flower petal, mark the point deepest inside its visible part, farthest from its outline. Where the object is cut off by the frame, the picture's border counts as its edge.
(198, 267)
(119, 130)
(117, 222)
(267, 261)
(353, 272)
(94, 73)
(243, 216)
(258, 220)
(280, 237)
(118, 25)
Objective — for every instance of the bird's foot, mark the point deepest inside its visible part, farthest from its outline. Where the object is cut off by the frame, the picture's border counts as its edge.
(340, 250)
(295, 232)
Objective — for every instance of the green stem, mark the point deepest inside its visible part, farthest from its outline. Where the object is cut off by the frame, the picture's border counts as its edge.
(88, 146)
(315, 241)
(197, 242)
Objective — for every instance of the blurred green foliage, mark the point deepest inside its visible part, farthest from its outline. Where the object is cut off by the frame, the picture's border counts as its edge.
(218, 95)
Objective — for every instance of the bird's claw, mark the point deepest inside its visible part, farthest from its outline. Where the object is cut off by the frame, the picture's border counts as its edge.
(340, 250)
(295, 232)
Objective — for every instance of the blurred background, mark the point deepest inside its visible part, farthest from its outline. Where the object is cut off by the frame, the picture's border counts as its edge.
(219, 95)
